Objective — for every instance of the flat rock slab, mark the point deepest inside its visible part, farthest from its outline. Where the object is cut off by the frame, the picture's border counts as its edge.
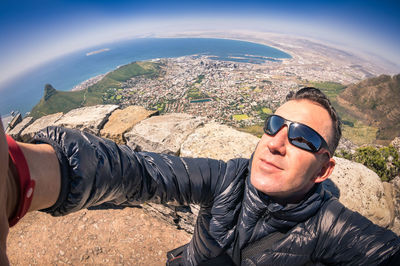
(121, 121)
(361, 190)
(163, 134)
(90, 119)
(16, 131)
(43, 122)
(219, 142)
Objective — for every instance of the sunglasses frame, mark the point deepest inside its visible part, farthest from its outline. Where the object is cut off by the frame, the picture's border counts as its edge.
(289, 123)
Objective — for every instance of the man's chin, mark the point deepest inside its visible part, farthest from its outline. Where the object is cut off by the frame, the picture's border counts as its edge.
(263, 184)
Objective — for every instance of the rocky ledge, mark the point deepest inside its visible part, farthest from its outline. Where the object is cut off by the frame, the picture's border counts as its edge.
(357, 187)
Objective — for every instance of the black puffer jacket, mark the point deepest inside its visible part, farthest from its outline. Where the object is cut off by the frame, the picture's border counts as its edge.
(320, 229)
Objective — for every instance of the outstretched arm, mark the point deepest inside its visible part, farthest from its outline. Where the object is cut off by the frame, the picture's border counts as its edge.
(95, 170)
(44, 170)
(75, 170)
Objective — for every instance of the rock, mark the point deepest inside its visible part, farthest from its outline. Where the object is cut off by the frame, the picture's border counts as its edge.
(16, 131)
(121, 121)
(219, 142)
(395, 189)
(43, 122)
(15, 121)
(184, 217)
(396, 143)
(90, 119)
(346, 145)
(361, 190)
(164, 134)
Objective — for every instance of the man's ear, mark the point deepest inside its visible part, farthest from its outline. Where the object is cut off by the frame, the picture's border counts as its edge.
(326, 170)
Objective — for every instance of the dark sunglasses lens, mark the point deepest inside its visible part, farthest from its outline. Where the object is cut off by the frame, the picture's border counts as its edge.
(273, 125)
(304, 137)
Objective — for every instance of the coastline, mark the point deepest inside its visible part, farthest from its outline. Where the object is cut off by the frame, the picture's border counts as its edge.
(87, 83)
(310, 60)
(298, 47)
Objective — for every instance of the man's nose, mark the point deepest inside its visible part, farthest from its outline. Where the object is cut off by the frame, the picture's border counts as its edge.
(277, 144)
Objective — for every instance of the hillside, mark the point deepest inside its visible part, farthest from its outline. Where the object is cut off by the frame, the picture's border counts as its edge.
(375, 101)
(103, 92)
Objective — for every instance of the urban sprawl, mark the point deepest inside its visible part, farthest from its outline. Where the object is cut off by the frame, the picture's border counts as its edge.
(233, 93)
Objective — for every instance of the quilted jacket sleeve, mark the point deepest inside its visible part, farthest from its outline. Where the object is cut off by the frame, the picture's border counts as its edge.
(96, 170)
(348, 238)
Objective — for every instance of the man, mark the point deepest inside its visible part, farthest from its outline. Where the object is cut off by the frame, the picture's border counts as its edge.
(276, 193)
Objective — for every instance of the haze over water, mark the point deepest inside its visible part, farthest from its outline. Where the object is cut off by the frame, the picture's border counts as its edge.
(22, 93)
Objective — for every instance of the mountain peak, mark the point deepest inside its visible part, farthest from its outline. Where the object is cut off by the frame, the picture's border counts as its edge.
(48, 91)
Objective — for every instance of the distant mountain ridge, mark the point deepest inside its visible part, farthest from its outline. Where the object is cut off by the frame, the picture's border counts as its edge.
(375, 101)
(103, 92)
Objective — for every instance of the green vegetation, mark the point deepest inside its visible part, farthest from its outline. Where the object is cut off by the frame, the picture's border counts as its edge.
(60, 101)
(199, 79)
(266, 110)
(103, 92)
(353, 129)
(359, 133)
(48, 91)
(195, 94)
(383, 161)
(256, 130)
(331, 89)
(262, 110)
(240, 117)
(375, 102)
(161, 106)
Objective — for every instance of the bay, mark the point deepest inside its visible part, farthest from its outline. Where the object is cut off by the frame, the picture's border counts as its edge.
(25, 91)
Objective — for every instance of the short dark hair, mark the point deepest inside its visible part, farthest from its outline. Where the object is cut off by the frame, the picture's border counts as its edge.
(317, 96)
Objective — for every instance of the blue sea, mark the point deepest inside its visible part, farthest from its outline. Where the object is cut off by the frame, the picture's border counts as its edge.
(65, 72)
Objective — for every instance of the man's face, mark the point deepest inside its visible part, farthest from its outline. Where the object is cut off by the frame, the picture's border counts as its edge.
(283, 171)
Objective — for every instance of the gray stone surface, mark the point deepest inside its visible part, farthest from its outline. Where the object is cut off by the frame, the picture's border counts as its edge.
(395, 196)
(219, 142)
(164, 134)
(16, 131)
(43, 122)
(90, 119)
(346, 145)
(361, 190)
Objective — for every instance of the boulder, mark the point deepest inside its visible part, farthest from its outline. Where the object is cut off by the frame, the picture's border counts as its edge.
(345, 145)
(90, 119)
(163, 134)
(16, 131)
(396, 143)
(219, 142)
(43, 122)
(121, 121)
(361, 190)
(395, 196)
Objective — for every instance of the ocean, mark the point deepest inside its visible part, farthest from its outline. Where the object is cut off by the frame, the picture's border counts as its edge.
(63, 73)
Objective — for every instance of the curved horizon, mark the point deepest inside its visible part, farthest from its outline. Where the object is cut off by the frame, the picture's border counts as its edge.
(38, 33)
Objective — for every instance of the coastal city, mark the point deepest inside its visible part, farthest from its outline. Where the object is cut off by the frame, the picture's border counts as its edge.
(233, 93)
(229, 92)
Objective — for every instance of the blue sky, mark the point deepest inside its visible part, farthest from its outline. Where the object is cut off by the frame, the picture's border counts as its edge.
(38, 30)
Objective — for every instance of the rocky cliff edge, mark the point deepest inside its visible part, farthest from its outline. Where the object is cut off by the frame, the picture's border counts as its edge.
(142, 235)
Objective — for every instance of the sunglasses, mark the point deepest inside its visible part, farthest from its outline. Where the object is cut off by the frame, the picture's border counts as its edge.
(299, 135)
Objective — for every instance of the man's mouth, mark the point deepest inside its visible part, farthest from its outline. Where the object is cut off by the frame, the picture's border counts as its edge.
(268, 165)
